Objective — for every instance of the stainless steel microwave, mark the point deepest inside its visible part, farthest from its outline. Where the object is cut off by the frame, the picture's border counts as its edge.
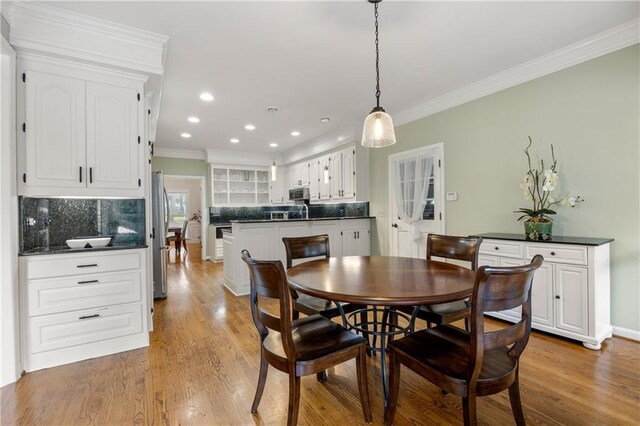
(299, 194)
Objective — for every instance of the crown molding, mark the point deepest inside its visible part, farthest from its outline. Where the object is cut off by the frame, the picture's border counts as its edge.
(179, 153)
(616, 38)
(39, 27)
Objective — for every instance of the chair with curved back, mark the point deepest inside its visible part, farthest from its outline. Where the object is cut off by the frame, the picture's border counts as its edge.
(305, 248)
(476, 362)
(298, 347)
(456, 248)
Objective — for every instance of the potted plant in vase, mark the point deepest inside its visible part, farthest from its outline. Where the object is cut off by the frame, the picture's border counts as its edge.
(538, 185)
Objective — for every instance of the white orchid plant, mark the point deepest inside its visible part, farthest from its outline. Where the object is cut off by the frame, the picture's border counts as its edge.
(538, 185)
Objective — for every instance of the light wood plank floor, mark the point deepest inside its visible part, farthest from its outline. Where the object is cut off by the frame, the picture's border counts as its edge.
(202, 367)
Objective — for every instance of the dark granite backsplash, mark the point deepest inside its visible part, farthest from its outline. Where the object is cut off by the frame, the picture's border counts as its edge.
(226, 214)
(49, 222)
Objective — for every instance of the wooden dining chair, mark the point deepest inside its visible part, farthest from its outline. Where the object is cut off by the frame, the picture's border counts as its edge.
(455, 248)
(476, 362)
(304, 248)
(298, 347)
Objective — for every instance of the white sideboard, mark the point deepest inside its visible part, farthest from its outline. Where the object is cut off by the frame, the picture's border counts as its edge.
(570, 296)
(263, 239)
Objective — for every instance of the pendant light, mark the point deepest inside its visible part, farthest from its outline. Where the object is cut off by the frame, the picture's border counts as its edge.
(325, 171)
(273, 110)
(378, 127)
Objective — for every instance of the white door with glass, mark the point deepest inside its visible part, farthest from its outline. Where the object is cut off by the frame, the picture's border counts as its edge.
(416, 199)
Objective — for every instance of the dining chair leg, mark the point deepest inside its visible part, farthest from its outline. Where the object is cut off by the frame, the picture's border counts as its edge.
(322, 376)
(262, 379)
(294, 399)
(516, 404)
(466, 324)
(363, 388)
(295, 314)
(469, 410)
(394, 387)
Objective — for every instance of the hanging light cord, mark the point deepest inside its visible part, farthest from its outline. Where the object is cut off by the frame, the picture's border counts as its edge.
(375, 9)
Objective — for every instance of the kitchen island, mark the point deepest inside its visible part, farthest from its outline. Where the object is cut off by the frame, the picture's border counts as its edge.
(348, 236)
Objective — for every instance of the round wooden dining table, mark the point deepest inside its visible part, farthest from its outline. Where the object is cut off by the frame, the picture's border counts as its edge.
(382, 281)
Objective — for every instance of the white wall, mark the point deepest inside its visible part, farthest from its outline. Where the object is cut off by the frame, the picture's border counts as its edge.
(9, 349)
(190, 186)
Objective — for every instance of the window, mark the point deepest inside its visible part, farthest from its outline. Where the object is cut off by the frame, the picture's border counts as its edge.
(178, 203)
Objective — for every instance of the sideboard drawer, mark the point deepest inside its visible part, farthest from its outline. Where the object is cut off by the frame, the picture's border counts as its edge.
(501, 248)
(574, 255)
(80, 264)
(81, 327)
(65, 294)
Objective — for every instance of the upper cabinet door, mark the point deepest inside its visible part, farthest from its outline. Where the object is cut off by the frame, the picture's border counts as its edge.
(325, 187)
(304, 174)
(348, 173)
(335, 171)
(112, 136)
(314, 178)
(55, 131)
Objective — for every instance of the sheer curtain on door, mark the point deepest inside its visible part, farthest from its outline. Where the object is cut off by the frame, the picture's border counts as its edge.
(410, 190)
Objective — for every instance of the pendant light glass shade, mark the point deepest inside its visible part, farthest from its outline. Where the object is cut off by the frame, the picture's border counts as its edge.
(378, 127)
(273, 171)
(325, 174)
(378, 130)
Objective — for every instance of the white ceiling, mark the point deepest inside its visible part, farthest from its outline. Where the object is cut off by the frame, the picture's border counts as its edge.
(316, 59)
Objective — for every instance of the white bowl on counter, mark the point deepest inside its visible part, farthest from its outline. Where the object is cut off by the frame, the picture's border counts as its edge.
(93, 242)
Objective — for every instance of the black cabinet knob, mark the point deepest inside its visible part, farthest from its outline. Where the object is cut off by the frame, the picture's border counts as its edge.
(557, 296)
(553, 253)
(496, 248)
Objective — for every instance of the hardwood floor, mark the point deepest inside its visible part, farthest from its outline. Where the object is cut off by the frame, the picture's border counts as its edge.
(202, 368)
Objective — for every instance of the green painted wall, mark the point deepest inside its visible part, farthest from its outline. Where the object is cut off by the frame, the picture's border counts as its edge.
(590, 113)
(184, 167)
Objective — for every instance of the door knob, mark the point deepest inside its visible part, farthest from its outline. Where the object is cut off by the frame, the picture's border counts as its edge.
(395, 225)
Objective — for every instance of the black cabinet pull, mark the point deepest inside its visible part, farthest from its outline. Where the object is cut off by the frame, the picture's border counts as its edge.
(395, 225)
(90, 174)
(89, 316)
(80, 174)
(557, 297)
(88, 265)
(88, 282)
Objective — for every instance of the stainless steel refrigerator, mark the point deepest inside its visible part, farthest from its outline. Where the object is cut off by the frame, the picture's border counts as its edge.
(160, 214)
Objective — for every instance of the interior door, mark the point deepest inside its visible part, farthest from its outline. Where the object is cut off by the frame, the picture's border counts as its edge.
(402, 244)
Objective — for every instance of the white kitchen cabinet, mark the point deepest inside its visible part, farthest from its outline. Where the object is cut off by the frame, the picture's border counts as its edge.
(324, 184)
(356, 237)
(314, 180)
(264, 241)
(342, 166)
(277, 187)
(112, 136)
(55, 142)
(570, 294)
(78, 306)
(82, 136)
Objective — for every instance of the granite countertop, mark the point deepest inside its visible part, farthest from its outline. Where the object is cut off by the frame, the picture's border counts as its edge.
(585, 241)
(313, 219)
(65, 249)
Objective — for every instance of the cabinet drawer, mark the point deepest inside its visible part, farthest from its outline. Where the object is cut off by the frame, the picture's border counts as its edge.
(558, 253)
(66, 294)
(81, 264)
(501, 248)
(77, 328)
(219, 243)
(219, 253)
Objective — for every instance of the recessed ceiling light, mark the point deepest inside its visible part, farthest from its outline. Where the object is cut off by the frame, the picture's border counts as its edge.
(273, 145)
(295, 133)
(234, 140)
(185, 135)
(325, 119)
(250, 127)
(206, 96)
(193, 120)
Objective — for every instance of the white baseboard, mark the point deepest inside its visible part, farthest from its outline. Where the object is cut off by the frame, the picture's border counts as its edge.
(626, 333)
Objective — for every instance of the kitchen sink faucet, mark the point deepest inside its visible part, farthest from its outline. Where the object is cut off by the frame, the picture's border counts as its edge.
(304, 207)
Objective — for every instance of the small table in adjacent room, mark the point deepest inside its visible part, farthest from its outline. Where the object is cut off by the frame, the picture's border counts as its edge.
(177, 230)
(382, 281)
